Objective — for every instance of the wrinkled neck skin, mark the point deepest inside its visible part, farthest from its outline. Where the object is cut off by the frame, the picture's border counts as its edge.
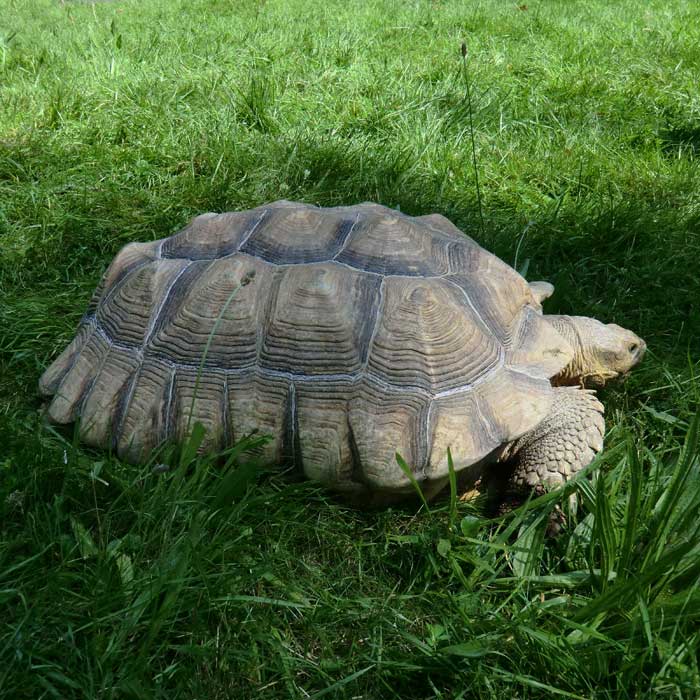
(584, 369)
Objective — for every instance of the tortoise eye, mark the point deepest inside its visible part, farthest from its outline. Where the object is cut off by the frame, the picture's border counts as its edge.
(633, 348)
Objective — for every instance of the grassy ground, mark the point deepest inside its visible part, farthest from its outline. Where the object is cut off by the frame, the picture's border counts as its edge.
(121, 120)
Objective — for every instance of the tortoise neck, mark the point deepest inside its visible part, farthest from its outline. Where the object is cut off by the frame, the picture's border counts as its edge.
(574, 371)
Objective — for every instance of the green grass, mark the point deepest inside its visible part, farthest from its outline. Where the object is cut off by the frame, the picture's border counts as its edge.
(121, 120)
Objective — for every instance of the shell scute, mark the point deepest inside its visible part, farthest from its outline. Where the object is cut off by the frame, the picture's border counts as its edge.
(199, 397)
(323, 445)
(429, 337)
(53, 376)
(106, 401)
(538, 350)
(130, 308)
(68, 398)
(211, 316)
(386, 242)
(210, 236)
(131, 257)
(145, 421)
(382, 424)
(319, 320)
(476, 422)
(298, 235)
(260, 404)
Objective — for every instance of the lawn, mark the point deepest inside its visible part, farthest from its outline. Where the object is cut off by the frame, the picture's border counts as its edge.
(566, 141)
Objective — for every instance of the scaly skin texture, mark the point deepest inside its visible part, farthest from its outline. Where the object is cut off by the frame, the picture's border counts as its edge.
(571, 434)
(565, 442)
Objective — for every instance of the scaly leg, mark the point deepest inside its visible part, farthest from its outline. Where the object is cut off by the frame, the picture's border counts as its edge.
(562, 444)
(565, 442)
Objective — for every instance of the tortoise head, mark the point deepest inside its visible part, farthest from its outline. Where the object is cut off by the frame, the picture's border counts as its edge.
(601, 351)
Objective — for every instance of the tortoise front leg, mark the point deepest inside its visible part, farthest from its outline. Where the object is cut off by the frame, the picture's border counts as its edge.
(565, 442)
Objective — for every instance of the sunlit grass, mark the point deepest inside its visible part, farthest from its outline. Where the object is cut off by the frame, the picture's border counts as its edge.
(121, 120)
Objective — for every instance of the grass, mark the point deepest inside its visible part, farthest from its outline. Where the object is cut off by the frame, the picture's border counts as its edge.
(121, 120)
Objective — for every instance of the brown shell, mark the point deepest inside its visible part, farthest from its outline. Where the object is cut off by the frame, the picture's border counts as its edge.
(363, 333)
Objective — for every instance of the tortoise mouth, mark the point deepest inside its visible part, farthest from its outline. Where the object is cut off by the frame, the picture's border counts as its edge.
(598, 381)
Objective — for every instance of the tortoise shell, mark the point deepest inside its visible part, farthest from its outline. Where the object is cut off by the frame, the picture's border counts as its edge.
(348, 334)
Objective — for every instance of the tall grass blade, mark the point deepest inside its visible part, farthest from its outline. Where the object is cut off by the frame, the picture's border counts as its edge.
(409, 475)
(235, 482)
(604, 537)
(619, 594)
(453, 488)
(666, 514)
(195, 438)
(528, 548)
(632, 510)
(339, 684)
(470, 110)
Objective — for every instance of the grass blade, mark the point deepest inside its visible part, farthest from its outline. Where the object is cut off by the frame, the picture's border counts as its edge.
(409, 475)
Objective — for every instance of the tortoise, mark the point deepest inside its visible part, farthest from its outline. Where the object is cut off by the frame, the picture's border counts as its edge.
(348, 334)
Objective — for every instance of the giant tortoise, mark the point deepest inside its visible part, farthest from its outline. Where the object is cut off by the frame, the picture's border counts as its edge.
(347, 334)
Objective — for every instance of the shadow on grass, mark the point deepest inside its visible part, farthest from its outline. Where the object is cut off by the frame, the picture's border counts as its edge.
(683, 140)
(631, 259)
